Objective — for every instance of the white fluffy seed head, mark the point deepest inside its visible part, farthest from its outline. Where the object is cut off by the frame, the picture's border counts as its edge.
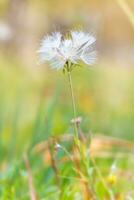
(57, 51)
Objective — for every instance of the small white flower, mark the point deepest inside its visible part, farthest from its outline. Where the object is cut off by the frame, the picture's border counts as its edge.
(57, 51)
(57, 146)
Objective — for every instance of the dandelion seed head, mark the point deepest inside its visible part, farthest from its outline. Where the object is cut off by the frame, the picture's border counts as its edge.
(49, 45)
(77, 47)
(79, 38)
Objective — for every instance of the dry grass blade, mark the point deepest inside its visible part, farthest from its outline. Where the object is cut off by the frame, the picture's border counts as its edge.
(127, 10)
(53, 162)
(99, 142)
(32, 191)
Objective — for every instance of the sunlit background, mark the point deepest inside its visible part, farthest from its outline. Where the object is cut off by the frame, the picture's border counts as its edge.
(35, 101)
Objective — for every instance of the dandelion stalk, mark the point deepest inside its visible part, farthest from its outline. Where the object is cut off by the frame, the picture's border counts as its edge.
(65, 53)
(68, 66)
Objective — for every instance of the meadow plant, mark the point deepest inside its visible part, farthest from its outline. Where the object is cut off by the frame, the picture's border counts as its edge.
(66, 53)
(77, 48)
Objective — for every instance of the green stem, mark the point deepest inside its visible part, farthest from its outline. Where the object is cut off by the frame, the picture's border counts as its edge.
(73, 100)
(102, 179)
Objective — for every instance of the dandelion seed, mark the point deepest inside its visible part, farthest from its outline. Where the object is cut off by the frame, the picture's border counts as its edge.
(57, 51)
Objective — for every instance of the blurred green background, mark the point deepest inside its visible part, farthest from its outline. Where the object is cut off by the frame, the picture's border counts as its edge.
(35, 100)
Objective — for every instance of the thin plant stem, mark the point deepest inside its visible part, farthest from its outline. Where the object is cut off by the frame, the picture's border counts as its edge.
(111, 196)
(32, 192)
(67, 153)
(73, 101)
(102, 179)
(87, 193)
(53, 163)
(127, 10)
